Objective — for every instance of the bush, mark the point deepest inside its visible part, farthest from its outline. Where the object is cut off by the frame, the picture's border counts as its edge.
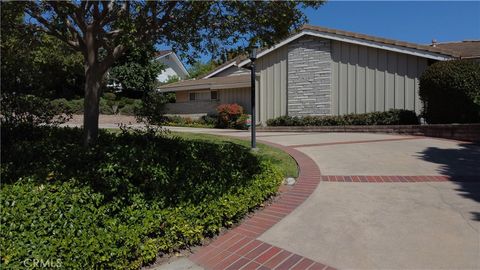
(119, 204)
(152, 109)
(391, 117)
(450, 91)
(31, 110)
(228, 115)
(180, 121)
(109, 104)
(242, 121)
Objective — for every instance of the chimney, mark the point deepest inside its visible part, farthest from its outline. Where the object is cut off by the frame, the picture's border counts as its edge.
(434, 43)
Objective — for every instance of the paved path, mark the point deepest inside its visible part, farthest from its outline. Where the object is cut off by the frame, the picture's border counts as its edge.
(380, 202)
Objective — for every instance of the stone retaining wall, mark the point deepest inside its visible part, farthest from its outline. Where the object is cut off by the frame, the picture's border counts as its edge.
(462, 132)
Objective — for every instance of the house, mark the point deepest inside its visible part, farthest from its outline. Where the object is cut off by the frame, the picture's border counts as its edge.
(174, 67)
(320, 71)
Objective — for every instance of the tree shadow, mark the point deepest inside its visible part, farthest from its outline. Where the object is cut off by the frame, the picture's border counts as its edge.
(462, 166)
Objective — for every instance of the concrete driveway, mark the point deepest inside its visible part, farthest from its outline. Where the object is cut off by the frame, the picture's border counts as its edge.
(401, 225)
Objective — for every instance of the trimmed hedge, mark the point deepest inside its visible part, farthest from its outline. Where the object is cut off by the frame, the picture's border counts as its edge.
(108, 105)
(391, 117)
(121, 203)
(450, 91)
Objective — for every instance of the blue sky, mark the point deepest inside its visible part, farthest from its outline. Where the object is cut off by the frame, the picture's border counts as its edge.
(415, 21)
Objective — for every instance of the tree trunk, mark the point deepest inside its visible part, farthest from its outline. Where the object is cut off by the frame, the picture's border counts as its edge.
(91, 104)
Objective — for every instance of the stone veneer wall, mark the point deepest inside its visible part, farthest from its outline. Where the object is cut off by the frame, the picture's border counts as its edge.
(309, 77)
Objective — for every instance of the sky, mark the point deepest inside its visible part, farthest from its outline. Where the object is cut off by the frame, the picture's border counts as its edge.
(413, 21)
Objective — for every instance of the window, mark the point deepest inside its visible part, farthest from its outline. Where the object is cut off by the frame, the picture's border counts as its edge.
(213, 95)
(192, 96)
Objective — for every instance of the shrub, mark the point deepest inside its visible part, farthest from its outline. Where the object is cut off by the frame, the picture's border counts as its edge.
(450, 91)
(242, 121)
(228, 115)
(119, 204)
(391, 117)
(31, 110)
(152, 109)
(180, 121)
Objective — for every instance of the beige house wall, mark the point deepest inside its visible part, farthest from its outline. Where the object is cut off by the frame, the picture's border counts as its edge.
(181, 96)
(183, 103)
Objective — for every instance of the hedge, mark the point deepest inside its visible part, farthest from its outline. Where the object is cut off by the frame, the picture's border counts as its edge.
(450, 91)
(391, 117)
(119, 204)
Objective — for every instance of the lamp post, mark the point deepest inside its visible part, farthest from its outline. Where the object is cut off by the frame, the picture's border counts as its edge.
(253, 57)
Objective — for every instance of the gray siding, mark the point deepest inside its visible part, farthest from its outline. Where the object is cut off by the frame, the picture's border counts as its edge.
(271, 85)
(241, 96)
(309, 77)
(366, 79)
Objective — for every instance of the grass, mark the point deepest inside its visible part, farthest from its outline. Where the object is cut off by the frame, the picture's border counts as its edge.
(283, 161)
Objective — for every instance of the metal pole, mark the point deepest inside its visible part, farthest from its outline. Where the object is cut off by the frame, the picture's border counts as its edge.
(253, 120)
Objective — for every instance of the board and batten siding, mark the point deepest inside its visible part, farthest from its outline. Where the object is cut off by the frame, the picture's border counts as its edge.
(366, 79)
(241, 96)
(271, 100)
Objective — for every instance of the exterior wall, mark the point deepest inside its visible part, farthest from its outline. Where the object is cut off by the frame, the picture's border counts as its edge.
(271, 85)
(309, 77)
(232, 71)
(367, 79)
(241, 96)
(172, 69)
(188, 108)
(168, 72)
(183, 104)
(181, 96)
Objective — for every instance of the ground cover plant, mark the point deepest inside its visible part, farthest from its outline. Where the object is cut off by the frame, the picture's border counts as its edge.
(120, 203)
(391, 117)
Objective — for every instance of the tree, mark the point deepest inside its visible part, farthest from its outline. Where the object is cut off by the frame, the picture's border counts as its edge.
(102, 31)
(35, 63)
(136, 71)
(198, 68)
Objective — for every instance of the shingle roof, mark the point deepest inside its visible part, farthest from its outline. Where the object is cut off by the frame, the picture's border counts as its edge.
(465, 49)
(379, 39)
(237, 81)
(236, 60)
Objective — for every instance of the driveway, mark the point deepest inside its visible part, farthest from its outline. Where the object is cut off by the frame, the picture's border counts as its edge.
(407, 214)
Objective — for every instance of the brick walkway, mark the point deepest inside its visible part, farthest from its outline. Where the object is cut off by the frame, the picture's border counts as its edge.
(240, 249)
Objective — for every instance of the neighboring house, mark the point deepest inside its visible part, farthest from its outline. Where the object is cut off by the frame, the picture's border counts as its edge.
(320, 71)
(174, 67)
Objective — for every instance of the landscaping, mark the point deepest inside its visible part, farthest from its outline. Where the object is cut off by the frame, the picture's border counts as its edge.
(391, 117)
(450, 92)
(131, 196)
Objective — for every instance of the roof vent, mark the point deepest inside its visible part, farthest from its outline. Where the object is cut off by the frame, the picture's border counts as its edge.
(434, 43)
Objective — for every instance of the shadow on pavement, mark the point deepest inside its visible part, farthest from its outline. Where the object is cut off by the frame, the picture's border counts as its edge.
(462, 165)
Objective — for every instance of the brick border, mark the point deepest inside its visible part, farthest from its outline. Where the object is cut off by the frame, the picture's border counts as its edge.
(398, 178)
(239, 248)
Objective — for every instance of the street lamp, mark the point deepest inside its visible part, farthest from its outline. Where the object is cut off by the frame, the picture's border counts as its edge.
(253, 57)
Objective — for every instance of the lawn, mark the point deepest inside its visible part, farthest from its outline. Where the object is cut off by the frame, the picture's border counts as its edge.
(133, 196)
(281, 160)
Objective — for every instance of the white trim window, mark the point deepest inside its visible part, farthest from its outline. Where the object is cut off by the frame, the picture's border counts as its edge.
(203, 95)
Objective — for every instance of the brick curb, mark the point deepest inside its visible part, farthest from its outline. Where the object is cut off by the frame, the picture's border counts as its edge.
(240, 249)
(399, 178)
